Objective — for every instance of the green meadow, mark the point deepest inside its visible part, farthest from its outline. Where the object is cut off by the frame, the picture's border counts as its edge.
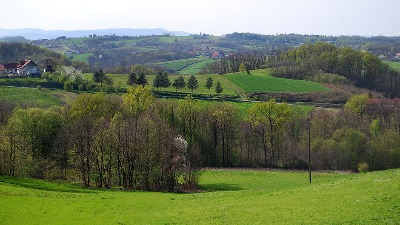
(179, 64)
(229, 89)
(259, 81)
(31, 96)
(394, 65)
(224, 197)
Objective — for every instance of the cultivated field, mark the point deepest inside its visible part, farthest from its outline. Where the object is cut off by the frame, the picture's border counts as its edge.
(225, 197)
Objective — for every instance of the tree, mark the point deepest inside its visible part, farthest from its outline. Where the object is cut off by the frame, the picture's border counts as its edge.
(272, 117)
(161, 80)
(356, 104)
(142, 80)
(209, 83)
(132, 79)
(218, 88)
(179, 83)
(192, 83)
(98, 76)
(242, 67)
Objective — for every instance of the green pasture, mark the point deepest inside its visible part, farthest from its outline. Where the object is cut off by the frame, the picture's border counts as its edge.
(194, 68)
(31, 96)
(81, 57)
(227, 86)
(224, 197)
(260, 81)
(394, 65)
(179, 64)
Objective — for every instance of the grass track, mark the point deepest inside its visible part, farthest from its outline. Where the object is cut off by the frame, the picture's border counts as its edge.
(228, 197)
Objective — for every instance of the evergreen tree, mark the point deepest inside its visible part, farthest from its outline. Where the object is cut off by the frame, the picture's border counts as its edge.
(179, 83)
(161, 80)
(142, 80)
(209, 83)
(98, 76)
(192, 83)
(132, 79)
(218, 88)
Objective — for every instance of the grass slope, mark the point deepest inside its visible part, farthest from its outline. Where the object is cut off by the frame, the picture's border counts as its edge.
(179, 64)
(228, 197)
(31, 96)
(194, 68)
(228, 87)
(394, 65)
(260, 81)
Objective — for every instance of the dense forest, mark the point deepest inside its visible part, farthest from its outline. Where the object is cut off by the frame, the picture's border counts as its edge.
(138, 142)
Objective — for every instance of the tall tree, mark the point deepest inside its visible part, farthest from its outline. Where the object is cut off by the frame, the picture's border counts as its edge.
(272, 117)
(132, 79)
(179, 83)
(161, 80)
(218, 88)
(98, 76)
(192, 83)
(209, 83)
(142, 80)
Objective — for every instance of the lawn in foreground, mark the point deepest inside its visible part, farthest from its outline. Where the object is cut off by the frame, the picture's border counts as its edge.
(228, 197)
(259, 81)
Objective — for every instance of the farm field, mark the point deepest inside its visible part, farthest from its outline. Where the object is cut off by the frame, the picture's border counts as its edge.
(31, 96)
(260, 82)
(225, 197)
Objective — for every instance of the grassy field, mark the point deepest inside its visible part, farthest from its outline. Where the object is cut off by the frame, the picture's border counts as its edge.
(260, 81)
(394, 65)
(179, 64)
(228, 87)
(194, 68)
(226, 197)
(32, 96)
(81, 57)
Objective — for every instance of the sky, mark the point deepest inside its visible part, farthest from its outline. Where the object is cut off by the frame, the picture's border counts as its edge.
(217, 17)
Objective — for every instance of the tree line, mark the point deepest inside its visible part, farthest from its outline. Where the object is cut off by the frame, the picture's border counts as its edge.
(138, 142)
(361, 68)
(234, 63)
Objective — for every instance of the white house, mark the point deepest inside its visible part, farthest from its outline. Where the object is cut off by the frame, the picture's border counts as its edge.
(23, 68)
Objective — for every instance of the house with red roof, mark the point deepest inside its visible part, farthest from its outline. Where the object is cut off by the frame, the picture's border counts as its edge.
(23, 68)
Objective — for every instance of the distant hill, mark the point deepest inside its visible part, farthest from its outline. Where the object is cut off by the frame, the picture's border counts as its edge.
(35, 34)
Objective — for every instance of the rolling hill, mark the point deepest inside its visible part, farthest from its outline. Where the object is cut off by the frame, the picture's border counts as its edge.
(224, 197)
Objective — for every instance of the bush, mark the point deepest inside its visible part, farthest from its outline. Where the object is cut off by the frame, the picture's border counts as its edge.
(362, 167)
(68, 86)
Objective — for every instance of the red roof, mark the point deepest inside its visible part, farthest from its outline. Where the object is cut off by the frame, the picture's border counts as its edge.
(22, 64)
(10, 66)
(2, 67)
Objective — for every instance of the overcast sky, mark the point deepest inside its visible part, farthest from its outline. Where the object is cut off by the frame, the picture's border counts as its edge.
(326, 17)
